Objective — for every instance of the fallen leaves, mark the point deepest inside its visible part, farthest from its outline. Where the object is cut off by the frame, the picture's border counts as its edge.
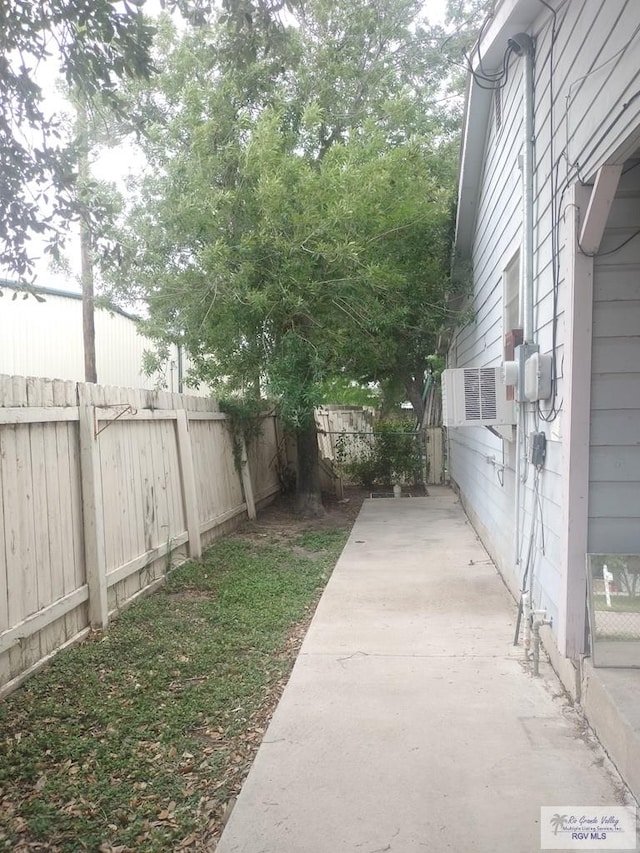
(141, 740)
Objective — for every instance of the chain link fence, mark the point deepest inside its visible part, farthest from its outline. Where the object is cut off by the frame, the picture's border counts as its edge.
(614, 609)
(391, 454)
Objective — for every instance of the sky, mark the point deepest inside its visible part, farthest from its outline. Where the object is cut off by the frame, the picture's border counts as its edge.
(119, 163)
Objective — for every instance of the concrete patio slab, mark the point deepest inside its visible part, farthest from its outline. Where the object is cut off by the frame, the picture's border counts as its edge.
(410, 723)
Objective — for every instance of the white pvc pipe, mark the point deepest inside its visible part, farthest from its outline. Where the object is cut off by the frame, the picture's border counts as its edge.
(539, 619)
(517, 484)
(526, 616)
(525, 48)
(527, 187)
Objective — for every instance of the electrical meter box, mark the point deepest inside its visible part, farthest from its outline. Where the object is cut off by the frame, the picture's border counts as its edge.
(537, 377)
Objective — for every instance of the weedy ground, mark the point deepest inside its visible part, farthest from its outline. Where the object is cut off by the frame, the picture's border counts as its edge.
(139, 739)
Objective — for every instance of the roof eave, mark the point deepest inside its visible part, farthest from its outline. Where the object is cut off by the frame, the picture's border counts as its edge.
(510, 17)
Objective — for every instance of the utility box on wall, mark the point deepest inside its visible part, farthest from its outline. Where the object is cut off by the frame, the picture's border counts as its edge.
(476, 396)
(537, 377)
(512, 339)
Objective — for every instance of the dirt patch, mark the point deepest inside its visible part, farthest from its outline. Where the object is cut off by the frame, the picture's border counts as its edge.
(278, 521)
(190, 595)
(308, 555)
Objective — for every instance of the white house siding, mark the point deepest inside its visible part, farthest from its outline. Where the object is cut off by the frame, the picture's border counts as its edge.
(45, 339)
(603, 108)
(614, 474)
(476, 455)
(589, 34)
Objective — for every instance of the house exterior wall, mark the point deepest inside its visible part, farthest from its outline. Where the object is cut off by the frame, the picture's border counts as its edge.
(586, 109)
(45, 339)
(476, 455)
(614, 465)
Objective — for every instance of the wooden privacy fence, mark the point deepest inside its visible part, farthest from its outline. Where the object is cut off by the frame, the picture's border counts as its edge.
(101, 491)
(357, 424)
(332, 420)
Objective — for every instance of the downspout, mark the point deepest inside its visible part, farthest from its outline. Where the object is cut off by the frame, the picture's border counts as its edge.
(522, 45)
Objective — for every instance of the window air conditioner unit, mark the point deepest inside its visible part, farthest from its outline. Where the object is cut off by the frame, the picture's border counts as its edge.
(476, 396)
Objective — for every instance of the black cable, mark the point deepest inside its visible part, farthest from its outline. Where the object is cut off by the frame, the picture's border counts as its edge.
(609, 251)
(487, 75)
(539, 501)
(495, 80)
(604, 134)
(479, 79)
(466, 21)
(556, 206)
(504, 79)
(630, 168)
(551, 9)
(552, 414)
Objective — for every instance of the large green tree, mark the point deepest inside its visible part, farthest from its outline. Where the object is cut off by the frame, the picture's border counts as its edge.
(93, 44)
(294, 224)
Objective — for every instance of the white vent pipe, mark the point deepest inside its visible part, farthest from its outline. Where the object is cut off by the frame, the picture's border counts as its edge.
(522, 45)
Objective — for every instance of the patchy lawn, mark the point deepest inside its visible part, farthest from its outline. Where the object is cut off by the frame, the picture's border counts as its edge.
(139, 740)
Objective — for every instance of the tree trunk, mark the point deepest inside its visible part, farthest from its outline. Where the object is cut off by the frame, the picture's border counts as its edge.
(88, 326)
(308, 498)
(414, 388)
(86, 253)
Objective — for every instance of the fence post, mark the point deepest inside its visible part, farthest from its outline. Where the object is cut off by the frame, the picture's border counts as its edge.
(92, 511)
(246, 482)
(189, 485)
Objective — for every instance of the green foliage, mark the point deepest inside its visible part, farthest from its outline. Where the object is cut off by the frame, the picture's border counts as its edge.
(123, 738)
(246, 416)
(154, 363)
(625, 569)
(320, 540)
(296, 221)
(348, 392)
(97, 44)
(389, 455)
(435, 365)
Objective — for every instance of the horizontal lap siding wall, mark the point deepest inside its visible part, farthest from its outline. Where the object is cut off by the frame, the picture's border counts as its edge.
(601, 90)
(614, 495)
(476, 455)
(589, 34)
(593, 64)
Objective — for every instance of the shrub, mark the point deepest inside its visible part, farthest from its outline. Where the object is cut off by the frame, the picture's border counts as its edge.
(388, 455)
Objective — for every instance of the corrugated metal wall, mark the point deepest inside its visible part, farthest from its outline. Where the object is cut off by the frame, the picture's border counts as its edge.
(45, 339)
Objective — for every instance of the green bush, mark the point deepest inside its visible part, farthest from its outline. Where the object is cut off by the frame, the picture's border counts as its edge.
(388, 455)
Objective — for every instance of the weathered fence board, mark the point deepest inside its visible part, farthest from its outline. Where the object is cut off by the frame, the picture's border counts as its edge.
(263, 457)
(435, 455)
(101, 491)
(188, 485)
(93, 504)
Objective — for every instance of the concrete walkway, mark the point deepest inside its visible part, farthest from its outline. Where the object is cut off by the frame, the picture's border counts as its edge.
(410, 723)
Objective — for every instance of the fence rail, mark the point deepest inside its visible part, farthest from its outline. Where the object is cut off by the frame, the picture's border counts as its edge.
(357, 425)
(102, 489)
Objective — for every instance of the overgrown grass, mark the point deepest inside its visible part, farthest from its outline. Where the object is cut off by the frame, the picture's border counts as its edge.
(619, 603)
(135, 740)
